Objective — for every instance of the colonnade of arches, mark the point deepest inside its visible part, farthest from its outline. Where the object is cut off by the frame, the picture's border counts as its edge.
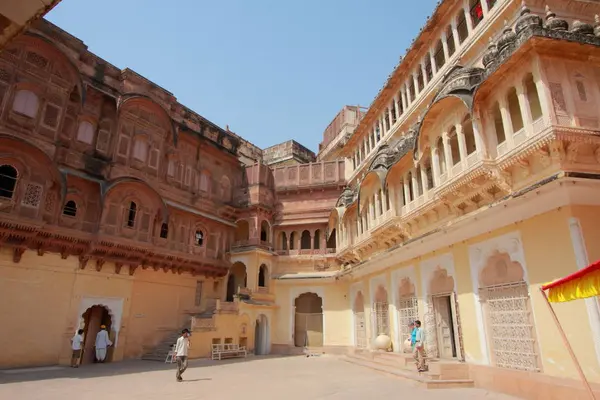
(238, 280)
(306, 240)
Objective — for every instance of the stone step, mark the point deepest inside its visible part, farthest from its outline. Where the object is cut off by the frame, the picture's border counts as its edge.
(426, 379)
(445, 369)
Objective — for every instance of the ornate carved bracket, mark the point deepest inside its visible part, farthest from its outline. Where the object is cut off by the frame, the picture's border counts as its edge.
(99, 264)
(17, 254)
(83, 260)
(118, 267)
(132, 268)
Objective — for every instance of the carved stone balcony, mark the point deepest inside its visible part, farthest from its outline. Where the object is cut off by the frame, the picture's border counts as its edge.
(319, 174)
(306, 252)
(242, 245)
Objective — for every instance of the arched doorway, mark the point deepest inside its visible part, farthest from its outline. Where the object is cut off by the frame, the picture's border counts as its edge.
(360, 331)
(262, 276)
(331, 242)
(264, 231)
(308, 325)
(381, 313)
(93, 318)
(237, 279)
(261, 336)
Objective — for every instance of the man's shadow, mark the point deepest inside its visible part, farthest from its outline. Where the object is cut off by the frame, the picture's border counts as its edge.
(196, 380)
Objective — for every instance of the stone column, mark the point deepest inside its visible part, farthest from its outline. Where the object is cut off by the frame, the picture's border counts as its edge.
(477, 132)
(484, 8)
(447, 153)
(445, 46)
(415, 184)
(390, 120)
(468, 17)
(424, 180)
(506, 121)
(432, 61)
(376, 204)
(381, 131)
(424, 72)
(404, 97)
(406, 189)
(435, 164)
(416, 83)
(455, 35)
(524, 106)
(462, 145)
(396, 108)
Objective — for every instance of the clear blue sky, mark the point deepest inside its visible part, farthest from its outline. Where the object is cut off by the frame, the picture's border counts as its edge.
(272, 70)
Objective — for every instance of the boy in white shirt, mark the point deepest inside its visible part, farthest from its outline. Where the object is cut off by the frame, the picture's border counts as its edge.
(181, 352)
(76, 343)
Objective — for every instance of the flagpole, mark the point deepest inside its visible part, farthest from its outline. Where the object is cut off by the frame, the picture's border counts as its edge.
(568, 346)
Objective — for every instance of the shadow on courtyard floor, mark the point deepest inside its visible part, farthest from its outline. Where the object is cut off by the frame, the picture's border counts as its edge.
(117, 368)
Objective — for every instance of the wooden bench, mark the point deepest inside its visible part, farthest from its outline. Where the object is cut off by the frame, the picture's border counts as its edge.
(227, 350)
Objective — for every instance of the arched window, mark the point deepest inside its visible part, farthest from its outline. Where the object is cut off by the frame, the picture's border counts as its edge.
(292, 240)
(131, 214)
(453, 142)
(284, 241)
(317, 239)
(461, 27)
(225, 189)
(85, 133)
(305, 240)
(498, 124)
(533, 98)
(420, 81)
(439, 56)
(515, 110)
(264, 231)
(26, 103)
(140, 149)
(476, 12)
(469, 134)
(441, 155)
(8, 181)
(199, 238)
(70, 208)
(164, 230)
(262, 276)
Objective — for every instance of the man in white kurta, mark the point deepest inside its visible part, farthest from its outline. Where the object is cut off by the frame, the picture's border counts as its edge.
(102, 343)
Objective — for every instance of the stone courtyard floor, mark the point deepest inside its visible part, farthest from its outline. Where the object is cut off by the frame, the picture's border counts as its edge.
(268, 378)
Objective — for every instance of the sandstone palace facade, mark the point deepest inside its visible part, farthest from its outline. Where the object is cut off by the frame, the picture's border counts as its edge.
(471, 180)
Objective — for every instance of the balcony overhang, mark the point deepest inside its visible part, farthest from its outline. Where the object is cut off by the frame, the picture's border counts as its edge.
(17, 15)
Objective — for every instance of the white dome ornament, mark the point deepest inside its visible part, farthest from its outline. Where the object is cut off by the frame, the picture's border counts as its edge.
(382, 342)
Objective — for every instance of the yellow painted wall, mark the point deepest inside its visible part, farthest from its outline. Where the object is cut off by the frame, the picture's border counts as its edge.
(549, 255)
(337, 315)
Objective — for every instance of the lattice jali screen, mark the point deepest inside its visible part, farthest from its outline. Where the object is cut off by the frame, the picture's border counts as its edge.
(360, 331)
(408, 312)
(511, 333)
(382, 320)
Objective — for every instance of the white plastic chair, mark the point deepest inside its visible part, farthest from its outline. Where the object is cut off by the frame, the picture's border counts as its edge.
(170, 356)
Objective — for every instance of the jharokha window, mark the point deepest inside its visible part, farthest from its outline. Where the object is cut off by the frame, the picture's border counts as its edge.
(131, 213)
(164, 231)
(70, 209)
(8, 181)
(26, 103)
(199, 238)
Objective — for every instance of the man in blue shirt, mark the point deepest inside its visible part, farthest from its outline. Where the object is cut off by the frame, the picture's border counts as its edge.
(419, 349)
(413, 335)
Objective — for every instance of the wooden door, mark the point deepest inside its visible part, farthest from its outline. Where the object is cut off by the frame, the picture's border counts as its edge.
(443, 320)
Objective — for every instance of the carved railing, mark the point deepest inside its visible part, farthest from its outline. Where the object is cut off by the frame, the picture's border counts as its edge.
(313, 174)
(305, 252)
(227, 307)
(252, 243)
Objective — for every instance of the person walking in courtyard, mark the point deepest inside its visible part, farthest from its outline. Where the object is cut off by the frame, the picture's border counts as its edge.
(181, 353)
(419, 347)
(102, 343)
(76, 342)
